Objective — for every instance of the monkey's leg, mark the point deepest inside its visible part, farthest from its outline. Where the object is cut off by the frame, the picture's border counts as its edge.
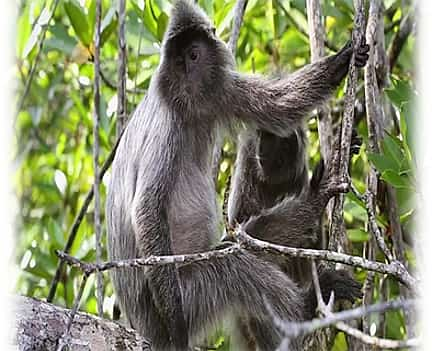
(153, 237)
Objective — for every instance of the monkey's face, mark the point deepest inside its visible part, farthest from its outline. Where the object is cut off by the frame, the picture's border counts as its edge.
(193, 59)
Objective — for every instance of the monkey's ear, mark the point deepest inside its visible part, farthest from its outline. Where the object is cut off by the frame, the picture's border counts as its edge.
(317, 176)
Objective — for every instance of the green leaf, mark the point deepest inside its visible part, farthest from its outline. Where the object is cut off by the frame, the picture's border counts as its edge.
(60, 40)
(357, 235)
(395, 179)
(78, 20)
(400, 92)
(149, 21)
(162, 24)
(92, 16)
(340, 343)
(392, 148)
(24, 31)
(56, 233)
(109, 25)
(382, 162)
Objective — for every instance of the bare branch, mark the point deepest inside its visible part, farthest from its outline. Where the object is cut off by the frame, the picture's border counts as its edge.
(64, 341)
(37, 58)
(399, 39)
(301, 30)
(317, 40)
(239, 11)
(113, 86)
(394, 268)
(337, 232)
(247, 242)
(293, 330)
(96, 119)
(122, 59)
(89, 268)
(377, 342)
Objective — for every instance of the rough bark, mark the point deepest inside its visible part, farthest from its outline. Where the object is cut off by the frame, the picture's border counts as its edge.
(39, 325)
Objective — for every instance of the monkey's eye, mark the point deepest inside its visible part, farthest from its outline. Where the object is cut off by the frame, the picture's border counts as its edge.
(194, 54)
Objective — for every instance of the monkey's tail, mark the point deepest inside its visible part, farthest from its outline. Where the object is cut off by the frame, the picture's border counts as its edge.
(244, 285)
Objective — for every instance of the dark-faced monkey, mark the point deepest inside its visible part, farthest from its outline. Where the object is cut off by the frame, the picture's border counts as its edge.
(161, 197)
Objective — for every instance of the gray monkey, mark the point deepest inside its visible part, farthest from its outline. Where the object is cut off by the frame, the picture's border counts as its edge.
(161, 198)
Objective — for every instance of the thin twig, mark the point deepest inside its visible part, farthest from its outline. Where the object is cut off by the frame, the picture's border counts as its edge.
(64, 340)
(89, 268)
(122, 64)
(77, 222)
(301, 30)
(96, 118)
(399, 39)
(36, 60)
(113, 86)
(239, 11)
(317, 39)
(293, 330)
(382, 343)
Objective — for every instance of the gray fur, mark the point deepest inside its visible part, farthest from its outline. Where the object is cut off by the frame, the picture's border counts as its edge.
(161, 200)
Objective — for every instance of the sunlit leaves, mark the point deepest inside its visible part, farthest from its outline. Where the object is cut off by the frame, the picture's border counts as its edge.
(78, 20)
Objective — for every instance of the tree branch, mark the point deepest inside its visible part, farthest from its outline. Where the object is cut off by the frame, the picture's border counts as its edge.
(337, 232)
(96, 119)
(248, 243)
(399, 39)
(317, 40)
(122, 59)
(294, 330)
(39, 326)
(239, 11)
(301, 30)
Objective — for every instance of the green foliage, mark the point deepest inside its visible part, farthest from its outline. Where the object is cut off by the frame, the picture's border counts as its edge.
(54, 138)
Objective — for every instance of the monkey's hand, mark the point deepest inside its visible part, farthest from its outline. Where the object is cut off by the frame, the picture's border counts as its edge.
(325, 183)
(360, 55)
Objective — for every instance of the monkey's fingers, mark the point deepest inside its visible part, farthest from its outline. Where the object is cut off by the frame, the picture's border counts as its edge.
(361, 55)
(361, 60)
(356, 143)
(363, 48)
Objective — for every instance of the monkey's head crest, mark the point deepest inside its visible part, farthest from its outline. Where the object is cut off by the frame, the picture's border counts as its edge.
(193, 59)
(185, 15)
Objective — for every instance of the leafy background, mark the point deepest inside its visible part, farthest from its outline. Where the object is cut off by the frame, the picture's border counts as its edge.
(53, 145)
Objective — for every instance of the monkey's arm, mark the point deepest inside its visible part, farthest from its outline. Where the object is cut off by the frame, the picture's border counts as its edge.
(280, 105)
(153, 238)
